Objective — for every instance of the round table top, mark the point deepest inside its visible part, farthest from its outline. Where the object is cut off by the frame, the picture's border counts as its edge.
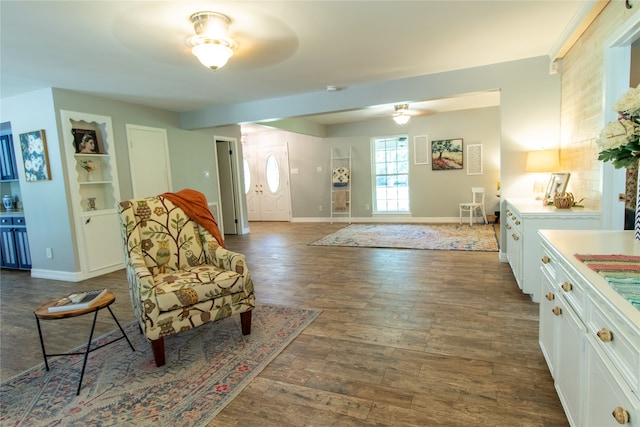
(43, 312)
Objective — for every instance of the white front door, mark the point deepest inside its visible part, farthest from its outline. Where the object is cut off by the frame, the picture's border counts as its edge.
(268, 195)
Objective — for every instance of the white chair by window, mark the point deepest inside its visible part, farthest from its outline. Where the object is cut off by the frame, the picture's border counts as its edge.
(477, 204)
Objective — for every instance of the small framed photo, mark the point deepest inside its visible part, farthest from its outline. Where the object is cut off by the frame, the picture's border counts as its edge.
(557, 184)
(34, 154)
(85, 141)
(446, 154)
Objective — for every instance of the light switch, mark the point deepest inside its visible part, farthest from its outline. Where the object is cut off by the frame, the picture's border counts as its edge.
(319, 169)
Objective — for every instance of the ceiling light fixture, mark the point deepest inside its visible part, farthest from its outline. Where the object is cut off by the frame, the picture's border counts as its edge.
(401, 117)
(211, 44)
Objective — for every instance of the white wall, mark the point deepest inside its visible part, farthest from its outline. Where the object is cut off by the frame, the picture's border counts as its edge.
(46, 203)
(434, 194)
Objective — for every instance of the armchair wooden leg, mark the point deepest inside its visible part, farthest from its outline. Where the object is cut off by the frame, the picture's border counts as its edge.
(158, 351)
(245, 320)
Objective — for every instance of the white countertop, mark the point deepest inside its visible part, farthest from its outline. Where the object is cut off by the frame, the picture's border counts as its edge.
(16, 212)
(530, 206)
(600, 242)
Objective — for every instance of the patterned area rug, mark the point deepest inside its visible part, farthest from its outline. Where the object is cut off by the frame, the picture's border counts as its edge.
(445, 237)
(622, 273)
(206, 368)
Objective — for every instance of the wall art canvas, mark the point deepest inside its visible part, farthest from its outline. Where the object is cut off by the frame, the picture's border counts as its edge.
(474, 159)
(421, 150)
(446, 154)
(34, 153)
(85, 141)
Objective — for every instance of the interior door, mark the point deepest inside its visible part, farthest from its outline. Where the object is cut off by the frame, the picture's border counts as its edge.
(148, 160)
(226, 174)
(268, 198)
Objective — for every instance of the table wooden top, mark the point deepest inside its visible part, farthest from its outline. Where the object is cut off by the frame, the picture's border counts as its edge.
(43, 312)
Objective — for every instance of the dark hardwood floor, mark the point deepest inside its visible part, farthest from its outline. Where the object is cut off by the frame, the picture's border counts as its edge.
(406, 337)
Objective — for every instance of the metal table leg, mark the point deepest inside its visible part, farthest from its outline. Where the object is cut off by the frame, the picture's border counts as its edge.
(44, 353)
(86, 353)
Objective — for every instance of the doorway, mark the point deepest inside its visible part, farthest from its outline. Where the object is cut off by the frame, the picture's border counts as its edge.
(267, 183)
(620, 65)
(228, 185)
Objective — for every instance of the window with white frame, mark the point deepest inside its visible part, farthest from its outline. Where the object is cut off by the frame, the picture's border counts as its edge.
(391, 180)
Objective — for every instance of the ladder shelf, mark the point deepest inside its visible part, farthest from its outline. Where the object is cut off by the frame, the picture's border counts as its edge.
(341, 182)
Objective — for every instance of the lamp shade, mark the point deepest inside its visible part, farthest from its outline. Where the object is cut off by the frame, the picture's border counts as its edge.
(401, 118)
(212, 55)
(211, 45)
(543, 161)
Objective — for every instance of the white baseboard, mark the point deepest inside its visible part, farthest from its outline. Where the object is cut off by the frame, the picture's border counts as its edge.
(67, 276)
(397, 219)
(73, 276)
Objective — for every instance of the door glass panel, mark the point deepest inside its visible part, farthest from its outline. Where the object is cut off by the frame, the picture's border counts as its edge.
(247, 176)
(273, 174)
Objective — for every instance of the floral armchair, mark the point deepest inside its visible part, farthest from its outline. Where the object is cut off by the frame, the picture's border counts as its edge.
(180, 276)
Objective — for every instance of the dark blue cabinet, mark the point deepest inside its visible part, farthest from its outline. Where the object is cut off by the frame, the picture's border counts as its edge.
(14, 243)
(8, 170)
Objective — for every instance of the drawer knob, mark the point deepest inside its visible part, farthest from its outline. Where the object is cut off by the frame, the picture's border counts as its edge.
(556, 310)
(517, 222)
(545, 259)
(515, 237)
(508, 227)
(621, 415)
(566, 286)
(605, 335)
(550, 296)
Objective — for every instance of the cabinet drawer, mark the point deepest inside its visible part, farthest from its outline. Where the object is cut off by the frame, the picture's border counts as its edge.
(549, 262)
(572, 288)
(19, 220)
(616, 338)
(514, 221)
(6, 220)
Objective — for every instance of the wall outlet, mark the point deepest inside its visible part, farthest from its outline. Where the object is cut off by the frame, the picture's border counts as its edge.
(320, 208)
(49, 253)
(366, 206)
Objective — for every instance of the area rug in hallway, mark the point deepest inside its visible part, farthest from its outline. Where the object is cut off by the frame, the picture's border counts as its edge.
(206, 368)
(447, 237)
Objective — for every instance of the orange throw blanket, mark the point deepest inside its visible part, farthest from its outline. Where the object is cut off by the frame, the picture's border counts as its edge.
(194, 204)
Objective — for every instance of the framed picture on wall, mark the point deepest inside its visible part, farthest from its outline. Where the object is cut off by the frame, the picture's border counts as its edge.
(34, 153)
(474, 159)
(421, 150)
(85, 141)
(446, 154)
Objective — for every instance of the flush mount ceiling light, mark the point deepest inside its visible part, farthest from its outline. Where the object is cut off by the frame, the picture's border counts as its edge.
(211, 44)
(401, 117)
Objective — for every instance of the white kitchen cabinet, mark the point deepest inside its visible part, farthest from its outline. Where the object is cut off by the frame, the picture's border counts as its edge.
(523, 220)
(548, 321)
(606, 392)
(570, 332)
(589, 334)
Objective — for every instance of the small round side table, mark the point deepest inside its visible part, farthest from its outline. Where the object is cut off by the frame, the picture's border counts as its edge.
(43, 313)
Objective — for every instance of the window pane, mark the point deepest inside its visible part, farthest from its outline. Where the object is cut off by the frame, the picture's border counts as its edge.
(392, 174)
(273, 174)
